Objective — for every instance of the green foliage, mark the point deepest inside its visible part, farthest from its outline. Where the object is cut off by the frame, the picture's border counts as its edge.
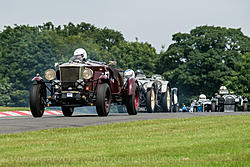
(5, 90)
(239, 79)
(197, 62)
(134, 55)
(205, 59)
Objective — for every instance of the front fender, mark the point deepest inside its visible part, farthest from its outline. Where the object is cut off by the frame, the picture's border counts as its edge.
(164, 86)
(37, 78)
(130, 86)
(103, 79)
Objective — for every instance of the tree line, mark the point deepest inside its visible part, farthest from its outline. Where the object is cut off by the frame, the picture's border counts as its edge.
(196, 62)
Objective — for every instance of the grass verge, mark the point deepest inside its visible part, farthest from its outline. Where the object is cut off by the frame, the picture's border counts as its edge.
(14, 109)
(197, 141)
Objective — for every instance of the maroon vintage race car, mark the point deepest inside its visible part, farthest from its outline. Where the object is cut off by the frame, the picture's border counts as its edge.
(83, 83)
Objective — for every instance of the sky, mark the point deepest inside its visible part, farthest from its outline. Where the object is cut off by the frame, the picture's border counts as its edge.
(152, 21)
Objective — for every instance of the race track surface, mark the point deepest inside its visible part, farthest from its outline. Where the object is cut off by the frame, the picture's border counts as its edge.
(28, 123)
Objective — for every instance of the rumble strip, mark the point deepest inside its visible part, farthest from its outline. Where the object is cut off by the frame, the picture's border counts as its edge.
(26, 113)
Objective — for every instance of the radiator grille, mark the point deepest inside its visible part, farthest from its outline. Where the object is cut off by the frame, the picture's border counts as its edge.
(69, 75)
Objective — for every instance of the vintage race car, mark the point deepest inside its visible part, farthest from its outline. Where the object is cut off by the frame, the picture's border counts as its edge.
(83, 83)
(202, 105)
(155, 93)
(163, 93)
(148, 93)
(226, 101)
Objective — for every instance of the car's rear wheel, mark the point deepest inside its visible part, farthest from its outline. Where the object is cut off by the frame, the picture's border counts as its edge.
(245, 104)
(166, 100)
(37, 100)
(103, 99)
(213, 106)
(150, 100)
(67, 111)
(133, 101)
(174, 106)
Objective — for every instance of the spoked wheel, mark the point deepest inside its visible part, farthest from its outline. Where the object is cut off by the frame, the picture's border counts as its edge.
(37, 100)
(103, 99)
(166, 100)
(133, 101)
(67, 111)
(151, 100)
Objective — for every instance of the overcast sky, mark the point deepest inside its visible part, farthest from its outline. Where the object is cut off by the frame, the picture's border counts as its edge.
(152, 21)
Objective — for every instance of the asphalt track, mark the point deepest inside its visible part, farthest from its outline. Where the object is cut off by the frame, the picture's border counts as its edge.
(28, 123)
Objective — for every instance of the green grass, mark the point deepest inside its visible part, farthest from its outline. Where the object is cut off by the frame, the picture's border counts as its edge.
(197, 141)
(14, 109)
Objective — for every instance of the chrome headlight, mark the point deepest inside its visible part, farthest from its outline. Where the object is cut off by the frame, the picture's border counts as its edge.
(50, 74)
(87, 73)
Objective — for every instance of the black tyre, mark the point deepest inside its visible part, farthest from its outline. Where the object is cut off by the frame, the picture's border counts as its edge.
(37, 100)
(213, 107)
(174, 102)
(221, 108)
(67, 111)
(175, 108)
(103, 99)
(245, 106)
(166, 101)
(133, 101)
(151, 100)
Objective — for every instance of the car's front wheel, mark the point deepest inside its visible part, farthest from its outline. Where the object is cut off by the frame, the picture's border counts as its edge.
(37, 100)
(133, 101)
(103, 99)
(245, 104)
(166, 100)
(67, 111)
(151, 100)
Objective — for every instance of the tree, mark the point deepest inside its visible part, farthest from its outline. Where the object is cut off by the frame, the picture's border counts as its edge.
(135, 55)
(202, 60)
(239, 79)
(5, 89)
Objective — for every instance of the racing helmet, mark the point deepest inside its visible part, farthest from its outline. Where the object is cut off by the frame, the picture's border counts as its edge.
(139, 72)
(223, 88)
(80, 53)
(202, 96)
(129, 73)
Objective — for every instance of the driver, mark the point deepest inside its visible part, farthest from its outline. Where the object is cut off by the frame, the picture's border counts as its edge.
(139, 73)
(80, 55)
(129, 74)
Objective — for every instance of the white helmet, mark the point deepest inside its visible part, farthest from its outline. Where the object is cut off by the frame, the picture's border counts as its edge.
(223, 88)
(80, 52)
(129, 73)
(202, 96)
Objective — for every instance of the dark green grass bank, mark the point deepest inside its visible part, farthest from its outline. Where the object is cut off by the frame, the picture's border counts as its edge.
(199, 141)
